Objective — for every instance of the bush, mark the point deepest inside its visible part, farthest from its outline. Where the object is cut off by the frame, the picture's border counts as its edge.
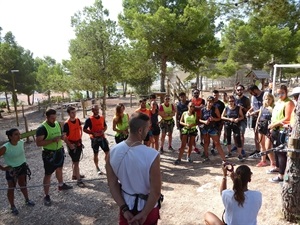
(2, 105)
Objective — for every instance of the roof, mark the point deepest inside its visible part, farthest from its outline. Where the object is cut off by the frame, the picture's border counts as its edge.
(259, 74)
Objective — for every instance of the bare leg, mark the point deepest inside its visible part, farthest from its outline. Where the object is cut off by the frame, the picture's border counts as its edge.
(76, 172)
(59, 176)
(191, 144)
(11, 192)
(46, 183)
(212, 219)
(162, 140)
(183, 144)
(216, 140)
(96, 160)
(22, 184)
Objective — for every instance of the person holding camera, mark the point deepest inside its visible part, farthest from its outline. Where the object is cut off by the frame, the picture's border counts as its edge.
(264, 137)
(232, 115)
(241, 204)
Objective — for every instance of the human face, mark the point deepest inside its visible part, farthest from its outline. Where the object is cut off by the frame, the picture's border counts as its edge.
(167, 100)
(16, 136)
(268, 101)
(216, 96)
(231, 101)
(191, 107)
(281, 94)
(72, 114)
(96, 110)
(210, 103)
(253, 93)
(51, 119)
(183, 98)
(196, 94)
(239, 91)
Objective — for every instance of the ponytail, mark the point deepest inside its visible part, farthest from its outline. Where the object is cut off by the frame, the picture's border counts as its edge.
(241, 177)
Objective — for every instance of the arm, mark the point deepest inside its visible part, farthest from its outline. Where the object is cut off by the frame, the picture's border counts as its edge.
(240, 116)
(224, 180)
(41, 135)
(224, 116)
(2, 152)
(65, 138)
(155, 191)
(288, 109)
(257, 121)
(182, 122)
(114, 188)
(87, 126)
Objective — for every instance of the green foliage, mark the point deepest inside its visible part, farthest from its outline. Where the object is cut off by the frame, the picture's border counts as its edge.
(176, 31)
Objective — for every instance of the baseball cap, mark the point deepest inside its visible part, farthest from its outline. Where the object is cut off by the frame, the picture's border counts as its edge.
(296, 91)
(210, 98)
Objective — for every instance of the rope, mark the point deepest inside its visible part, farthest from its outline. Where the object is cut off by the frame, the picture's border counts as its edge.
(280, 148)
(42, 185)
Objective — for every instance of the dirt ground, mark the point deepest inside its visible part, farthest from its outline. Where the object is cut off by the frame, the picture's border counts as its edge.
(190, 189)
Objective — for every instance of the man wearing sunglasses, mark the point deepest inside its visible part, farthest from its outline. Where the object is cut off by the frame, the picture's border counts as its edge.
(244, 103)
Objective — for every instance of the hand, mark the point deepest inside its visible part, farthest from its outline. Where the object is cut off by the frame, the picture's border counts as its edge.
(6, 168)
(236, 120)
(98, 133)
(72, 146)
(271, 126)
(207, 122)
(139, 219)
(56, 139)
(128, 216)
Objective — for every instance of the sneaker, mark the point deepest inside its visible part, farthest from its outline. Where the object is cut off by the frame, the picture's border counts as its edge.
(206, 159)
(189, 159)
(171, 148)
(272, 171)
(14, 210)
(234, 149)
(244, 153)
(80, 184)
(224, 142)
(276, 180)
(240, 158)
(202, 144)
(203, 155)
(213, 152)
(197, 150)
(254, 152)
(228, 155)
(29, 203)
(64, 187)
(47, 200)
(75, 178)
(161, 151)
(262, 164)
(177, 161)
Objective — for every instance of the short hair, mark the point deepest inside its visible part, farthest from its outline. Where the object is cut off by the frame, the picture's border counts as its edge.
(152, 96)
(182, 94)
(240, 85)
(210, 98)
(70, 108)
(196, 90)
(50, 112)
(137, 120)
(215, 92)
(95, 106)
(253, 87)
(143, 100)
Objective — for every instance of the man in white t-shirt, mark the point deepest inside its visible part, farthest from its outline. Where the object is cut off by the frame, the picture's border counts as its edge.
(136, 169)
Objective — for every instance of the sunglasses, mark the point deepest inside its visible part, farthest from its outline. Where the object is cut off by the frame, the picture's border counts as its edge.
(239, 89)
(196, 93)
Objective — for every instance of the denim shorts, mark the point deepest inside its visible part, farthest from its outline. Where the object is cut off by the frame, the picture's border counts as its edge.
(210, 131)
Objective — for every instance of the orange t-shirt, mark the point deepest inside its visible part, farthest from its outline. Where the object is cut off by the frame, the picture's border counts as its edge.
(197, 102)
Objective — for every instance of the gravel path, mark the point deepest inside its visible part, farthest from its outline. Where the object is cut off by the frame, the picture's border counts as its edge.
(190, 189)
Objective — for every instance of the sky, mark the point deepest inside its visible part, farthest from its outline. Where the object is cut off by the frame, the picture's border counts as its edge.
(44, 26)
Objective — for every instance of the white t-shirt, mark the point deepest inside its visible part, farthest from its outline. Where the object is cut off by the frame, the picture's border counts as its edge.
(237, 215)
(132, 167)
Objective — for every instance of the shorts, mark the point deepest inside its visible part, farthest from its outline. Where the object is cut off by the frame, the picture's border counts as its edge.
(155, 130)
(10, 175)
(254, 119)
(210, 131)
(99, 142)
(167, 126)
(120, 138)
(189, 132)
(53, 160)
(243, 126)
(75, 153)
(152, 217)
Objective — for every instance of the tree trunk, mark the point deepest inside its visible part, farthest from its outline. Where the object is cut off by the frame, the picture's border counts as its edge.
(103, 107)
(7, 102)
(201, 84)
(28, 99)
(163, 70)
(125, 89)
(291, 185)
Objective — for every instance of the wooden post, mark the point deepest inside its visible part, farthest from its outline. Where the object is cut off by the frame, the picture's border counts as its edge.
(62, 111)
(130, 99)
(291, 185)
(26, 128)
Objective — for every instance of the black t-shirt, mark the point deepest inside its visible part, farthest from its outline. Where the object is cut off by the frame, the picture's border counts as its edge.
(245, 103)
(181, 108)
